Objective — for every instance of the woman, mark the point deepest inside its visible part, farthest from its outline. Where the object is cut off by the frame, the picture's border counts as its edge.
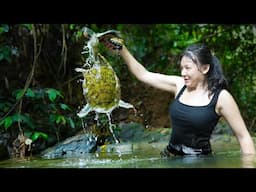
(201, 98)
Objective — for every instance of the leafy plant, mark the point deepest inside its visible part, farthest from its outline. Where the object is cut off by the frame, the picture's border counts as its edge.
(44, 113)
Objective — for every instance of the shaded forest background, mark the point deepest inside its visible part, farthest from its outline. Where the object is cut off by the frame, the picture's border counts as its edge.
(40, 91)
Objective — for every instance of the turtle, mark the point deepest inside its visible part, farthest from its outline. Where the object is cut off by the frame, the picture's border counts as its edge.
(101, 88)
(101, 85)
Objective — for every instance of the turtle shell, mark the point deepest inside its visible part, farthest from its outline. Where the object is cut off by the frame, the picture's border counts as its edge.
(101, 86)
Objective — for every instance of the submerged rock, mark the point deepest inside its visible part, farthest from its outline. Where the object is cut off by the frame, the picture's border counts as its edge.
(76, 146)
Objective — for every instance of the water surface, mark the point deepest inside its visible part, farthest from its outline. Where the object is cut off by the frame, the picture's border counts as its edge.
(141, 155)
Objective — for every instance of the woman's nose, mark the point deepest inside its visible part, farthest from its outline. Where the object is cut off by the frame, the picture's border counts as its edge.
(183, 72)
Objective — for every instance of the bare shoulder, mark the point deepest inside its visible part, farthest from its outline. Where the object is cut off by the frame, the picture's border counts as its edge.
(179, 84)
(225, 96)
(224, 93)
(225, 101)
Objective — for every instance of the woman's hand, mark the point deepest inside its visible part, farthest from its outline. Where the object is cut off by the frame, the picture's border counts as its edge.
(112, 42)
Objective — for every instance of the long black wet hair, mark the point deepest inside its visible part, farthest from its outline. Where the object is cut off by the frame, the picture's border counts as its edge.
(200, 54)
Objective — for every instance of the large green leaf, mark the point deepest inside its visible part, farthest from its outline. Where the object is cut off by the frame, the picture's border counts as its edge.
(37, 135)
(53, 93)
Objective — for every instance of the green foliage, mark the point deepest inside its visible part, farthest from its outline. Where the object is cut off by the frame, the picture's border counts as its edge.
(28, 26)
(52, 94)
(4, 28)
(6, 122)
(235, 46)
(45, 113)
(24, 119)
(36, 135)
(5, 53)
(6, 49)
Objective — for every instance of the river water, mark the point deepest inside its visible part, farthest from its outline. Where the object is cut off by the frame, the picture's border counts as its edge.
(142, 155)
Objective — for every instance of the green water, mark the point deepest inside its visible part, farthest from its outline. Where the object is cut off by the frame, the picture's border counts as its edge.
(141, 155)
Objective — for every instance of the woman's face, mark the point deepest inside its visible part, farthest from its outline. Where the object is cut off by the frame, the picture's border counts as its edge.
(190, 72)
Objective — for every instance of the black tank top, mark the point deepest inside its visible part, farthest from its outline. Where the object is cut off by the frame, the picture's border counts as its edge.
(193, 125)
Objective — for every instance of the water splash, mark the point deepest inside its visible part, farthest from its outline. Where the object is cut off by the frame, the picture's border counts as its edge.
(101, 86)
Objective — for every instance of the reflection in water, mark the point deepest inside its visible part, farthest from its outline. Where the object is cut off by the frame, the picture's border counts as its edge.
(136, 160)
(248, 161)
(142, 155)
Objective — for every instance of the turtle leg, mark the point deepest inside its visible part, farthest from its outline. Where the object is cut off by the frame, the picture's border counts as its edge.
(125, 104)
(80, 70)
(85, 110)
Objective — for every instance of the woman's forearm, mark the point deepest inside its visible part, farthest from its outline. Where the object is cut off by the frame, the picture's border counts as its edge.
(134, 66)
